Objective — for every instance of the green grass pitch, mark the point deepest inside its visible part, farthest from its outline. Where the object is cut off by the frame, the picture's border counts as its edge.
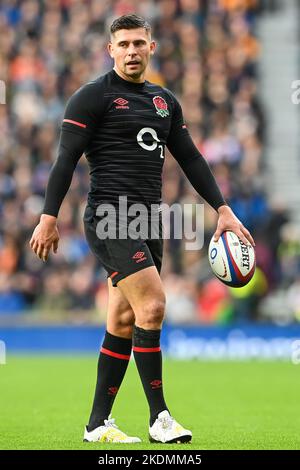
(45, 403)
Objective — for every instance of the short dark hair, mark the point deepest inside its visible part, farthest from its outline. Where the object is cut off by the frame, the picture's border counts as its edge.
(129, 22)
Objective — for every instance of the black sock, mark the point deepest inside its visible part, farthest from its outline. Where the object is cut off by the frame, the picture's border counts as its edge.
(112, 365)
(148, 358)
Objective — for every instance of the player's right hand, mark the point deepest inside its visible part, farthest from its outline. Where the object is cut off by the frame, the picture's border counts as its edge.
(44, 237)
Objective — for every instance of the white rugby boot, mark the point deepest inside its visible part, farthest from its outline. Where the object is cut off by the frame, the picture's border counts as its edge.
(109, 432)
(165, 429)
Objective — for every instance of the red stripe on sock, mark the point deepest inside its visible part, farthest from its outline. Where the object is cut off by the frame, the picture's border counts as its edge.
(136, 349)
(113, 354)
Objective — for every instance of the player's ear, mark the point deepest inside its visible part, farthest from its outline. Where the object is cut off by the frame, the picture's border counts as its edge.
(152, 47)
(110, 49)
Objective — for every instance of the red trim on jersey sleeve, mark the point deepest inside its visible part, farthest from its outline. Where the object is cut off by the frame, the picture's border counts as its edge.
(75, 122)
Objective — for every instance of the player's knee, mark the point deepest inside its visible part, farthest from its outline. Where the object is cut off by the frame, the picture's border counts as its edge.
(153, 313)
(126, 319)
(123, 323)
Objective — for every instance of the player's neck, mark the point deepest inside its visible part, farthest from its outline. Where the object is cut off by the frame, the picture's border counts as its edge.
(141, 79)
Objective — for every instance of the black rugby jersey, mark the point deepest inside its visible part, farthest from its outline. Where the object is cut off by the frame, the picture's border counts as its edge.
(123, 128)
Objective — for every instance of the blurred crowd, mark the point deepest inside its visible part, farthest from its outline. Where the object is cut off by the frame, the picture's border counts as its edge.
(207, 54)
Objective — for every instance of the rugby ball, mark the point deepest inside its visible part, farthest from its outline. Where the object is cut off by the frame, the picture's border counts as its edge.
(231, 260)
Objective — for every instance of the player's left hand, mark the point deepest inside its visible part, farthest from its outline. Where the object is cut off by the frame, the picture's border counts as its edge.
(229, 221)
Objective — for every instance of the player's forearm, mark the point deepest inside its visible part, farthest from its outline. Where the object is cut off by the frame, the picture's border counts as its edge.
(48, 219)
(196, 169)
(71, 147)
(202, 179)
(58, 184)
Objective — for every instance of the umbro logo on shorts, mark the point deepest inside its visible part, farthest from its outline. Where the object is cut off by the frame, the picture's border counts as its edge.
(139, 256)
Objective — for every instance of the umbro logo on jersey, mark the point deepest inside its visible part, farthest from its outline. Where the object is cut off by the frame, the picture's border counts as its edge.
(121, 103)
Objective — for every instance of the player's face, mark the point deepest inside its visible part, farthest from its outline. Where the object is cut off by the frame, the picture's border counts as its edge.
(131, 50)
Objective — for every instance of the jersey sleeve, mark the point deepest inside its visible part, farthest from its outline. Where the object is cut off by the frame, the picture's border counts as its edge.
(178, 128)
(84, 110)
(193, 164)
(82, 115)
